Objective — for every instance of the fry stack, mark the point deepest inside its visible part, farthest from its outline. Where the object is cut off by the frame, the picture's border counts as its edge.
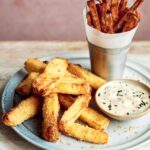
(112, 16)
(54, 86)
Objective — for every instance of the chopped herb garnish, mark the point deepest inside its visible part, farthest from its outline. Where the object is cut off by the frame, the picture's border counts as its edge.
(99, 94)
(119, 93)
(115, 105)
(139, 94)
(109, 106)
(127, 113)
(142, 104)
(104, 103)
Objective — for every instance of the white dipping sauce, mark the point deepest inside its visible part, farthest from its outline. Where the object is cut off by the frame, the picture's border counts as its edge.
(123, 98)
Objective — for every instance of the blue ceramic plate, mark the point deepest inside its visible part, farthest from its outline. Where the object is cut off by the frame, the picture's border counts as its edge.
(122, 135)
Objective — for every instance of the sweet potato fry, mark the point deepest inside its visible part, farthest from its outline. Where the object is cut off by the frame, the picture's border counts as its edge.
(34, 65)
(74, 111)
(89, 115)
(114, 10)
(122, 7)
(89, 19)
(54, 70)
(93, 80)
(131, 22)
(94, 14)
(24, 88)
(50, 109)
(24, 110)
(85, 133)
(122, 21)
(109, 23)
(102, 9)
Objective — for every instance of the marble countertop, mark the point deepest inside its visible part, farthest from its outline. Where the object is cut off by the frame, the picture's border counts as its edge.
(12, 57)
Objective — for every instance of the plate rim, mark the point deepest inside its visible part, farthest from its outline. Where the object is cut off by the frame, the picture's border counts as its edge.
(83, 54)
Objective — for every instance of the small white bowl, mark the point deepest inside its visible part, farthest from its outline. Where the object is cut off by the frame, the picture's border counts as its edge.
(117, 116)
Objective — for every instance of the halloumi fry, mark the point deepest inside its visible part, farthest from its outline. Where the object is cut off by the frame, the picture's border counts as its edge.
(24, 110)
(50, 110)
(94, 14)
(54, 70)
(114, 10)
(74, 111)
(71, 79)
(89, 115)
(34, 65)
(93, 80)
(85, 133)
(68, 88)
(25, 87)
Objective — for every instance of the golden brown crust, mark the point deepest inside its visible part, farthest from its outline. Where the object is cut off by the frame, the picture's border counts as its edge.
(85, 133)
(75, 110)
(89, 115)
(50, 109)
(34, 65)
(24, 110)
(91, 78)
(25, 87)
(54, 70)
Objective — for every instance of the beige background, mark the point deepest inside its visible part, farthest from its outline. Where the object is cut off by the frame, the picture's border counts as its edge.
(52, 20)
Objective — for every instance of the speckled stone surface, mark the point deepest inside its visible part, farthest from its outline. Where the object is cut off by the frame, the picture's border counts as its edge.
(12, 57)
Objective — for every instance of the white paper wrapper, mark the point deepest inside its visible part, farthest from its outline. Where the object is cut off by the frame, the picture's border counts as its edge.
(106, 40)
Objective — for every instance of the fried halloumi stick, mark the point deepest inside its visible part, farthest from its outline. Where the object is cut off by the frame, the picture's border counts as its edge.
(78, 131)
(50, 109)
(24, 110)
(93, 80)
(85, 133)
(74, 111)
(54, 70)
(89, 115)
(68, 88)
(94, 14)
(25, 87)
(34, 65)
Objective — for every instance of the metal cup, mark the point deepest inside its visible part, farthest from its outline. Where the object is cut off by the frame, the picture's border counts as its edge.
(108, 63)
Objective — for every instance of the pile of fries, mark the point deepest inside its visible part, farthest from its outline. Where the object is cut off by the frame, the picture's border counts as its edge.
(59, 85)
(113, 16)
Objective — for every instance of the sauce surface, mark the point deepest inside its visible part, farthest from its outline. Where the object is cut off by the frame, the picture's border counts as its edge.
(123, 98)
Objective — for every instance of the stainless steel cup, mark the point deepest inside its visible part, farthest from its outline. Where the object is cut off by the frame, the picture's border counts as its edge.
(108, 63)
